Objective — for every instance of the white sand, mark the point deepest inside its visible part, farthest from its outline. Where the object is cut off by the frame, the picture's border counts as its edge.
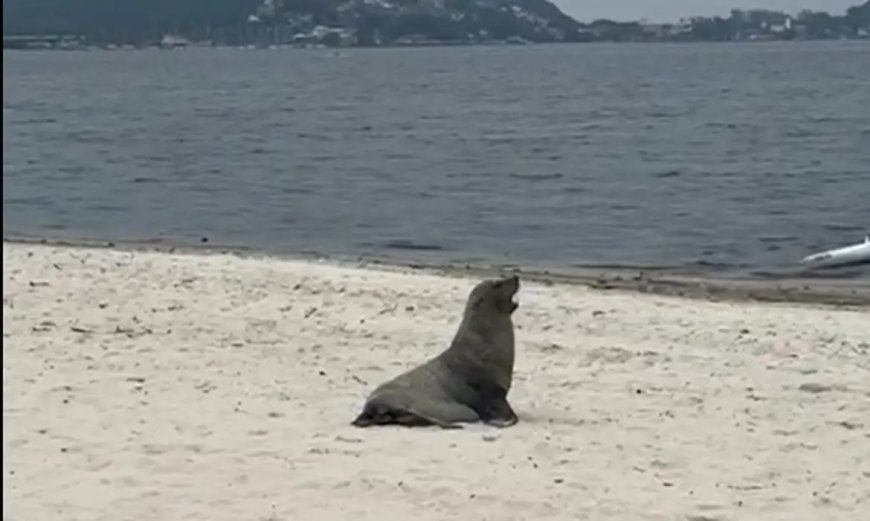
(150, 386)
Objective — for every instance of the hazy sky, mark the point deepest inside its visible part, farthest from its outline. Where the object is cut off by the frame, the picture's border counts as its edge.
(672, 10)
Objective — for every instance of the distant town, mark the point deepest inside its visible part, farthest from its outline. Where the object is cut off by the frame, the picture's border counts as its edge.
(176, 24)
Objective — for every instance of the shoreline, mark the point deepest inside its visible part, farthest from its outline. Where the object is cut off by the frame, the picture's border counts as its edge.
(429, 45)
(674, 282)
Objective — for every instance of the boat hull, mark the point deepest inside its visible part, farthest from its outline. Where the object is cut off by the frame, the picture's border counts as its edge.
(847, 256)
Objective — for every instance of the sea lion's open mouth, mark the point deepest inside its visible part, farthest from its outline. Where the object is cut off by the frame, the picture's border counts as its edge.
(514, 300)
(515, 303)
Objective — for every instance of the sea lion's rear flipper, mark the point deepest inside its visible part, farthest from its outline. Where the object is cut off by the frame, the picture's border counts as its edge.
(379, 413)
(446, 415)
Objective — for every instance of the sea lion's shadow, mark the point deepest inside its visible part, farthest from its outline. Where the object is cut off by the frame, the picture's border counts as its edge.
(538, 417)
(535, 418)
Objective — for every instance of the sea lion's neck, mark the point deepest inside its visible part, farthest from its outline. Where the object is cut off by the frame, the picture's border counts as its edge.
(484, 324)
(485, 345)
(496, 331)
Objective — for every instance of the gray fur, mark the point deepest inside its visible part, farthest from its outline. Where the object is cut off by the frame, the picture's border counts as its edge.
(466, 383)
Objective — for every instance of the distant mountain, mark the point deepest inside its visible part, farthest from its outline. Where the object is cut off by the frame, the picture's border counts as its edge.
(371, 21)
(119, 19)
(859, 16)
(388, 22)
(444, 20)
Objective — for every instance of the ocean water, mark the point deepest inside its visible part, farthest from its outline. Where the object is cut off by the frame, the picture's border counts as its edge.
(730, 157)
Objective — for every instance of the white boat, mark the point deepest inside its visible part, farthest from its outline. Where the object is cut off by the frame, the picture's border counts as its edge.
(845, 256)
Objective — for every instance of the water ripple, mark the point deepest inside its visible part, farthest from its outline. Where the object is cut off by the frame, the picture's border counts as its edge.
(725, 157)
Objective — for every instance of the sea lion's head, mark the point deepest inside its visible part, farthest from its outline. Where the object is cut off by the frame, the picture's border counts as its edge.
(496, 295)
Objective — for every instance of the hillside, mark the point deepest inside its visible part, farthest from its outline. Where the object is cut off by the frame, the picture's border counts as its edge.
(360, 22)
(389, 22)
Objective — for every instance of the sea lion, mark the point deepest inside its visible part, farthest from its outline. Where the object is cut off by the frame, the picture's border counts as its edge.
(466, 383)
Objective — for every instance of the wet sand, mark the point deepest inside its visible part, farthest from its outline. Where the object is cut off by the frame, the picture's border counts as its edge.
(819, 287)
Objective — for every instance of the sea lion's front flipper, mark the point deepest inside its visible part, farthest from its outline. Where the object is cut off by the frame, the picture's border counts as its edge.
(499, 413)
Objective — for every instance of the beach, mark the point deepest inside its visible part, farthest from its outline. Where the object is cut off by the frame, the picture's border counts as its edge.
(143, 385)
